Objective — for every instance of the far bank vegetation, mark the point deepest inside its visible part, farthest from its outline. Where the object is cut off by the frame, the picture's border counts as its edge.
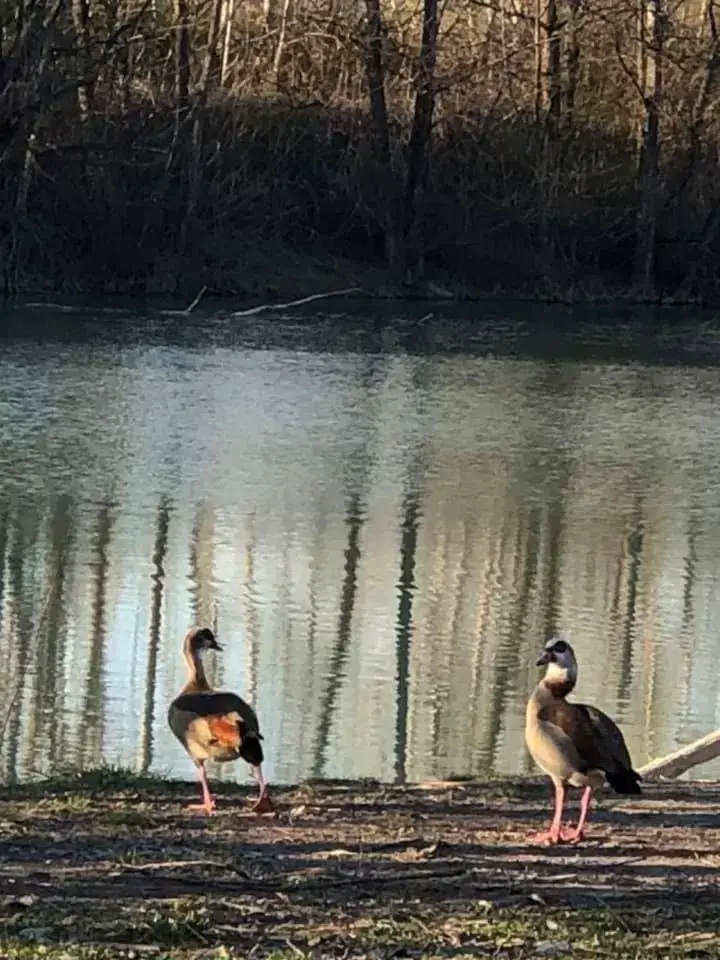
(527, 146)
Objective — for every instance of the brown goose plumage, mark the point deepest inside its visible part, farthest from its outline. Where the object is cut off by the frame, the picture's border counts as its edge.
(215, 725)
(574, 743)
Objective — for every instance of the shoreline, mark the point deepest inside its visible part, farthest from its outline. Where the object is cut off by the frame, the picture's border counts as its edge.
(110, 865)
(38, 297)
(292, 276)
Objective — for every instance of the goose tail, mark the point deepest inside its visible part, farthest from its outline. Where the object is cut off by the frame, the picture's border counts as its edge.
(624, 781)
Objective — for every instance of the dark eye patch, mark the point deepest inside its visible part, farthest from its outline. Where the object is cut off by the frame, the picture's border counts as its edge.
(203, 639)
(559, 647)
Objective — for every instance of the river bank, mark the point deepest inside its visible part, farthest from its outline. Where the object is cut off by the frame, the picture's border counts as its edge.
(110, 866)
(262, 275)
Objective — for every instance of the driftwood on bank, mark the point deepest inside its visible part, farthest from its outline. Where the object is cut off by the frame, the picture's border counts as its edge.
(186, 311)
(263, 307)
(679, 761)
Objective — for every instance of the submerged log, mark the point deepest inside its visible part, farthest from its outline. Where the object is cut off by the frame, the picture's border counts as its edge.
(679, 761)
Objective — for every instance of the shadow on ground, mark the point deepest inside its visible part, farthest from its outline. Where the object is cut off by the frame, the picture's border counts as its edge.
(363, 870)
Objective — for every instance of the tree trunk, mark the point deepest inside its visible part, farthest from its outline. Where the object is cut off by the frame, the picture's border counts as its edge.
(538, 61)
(270, 13)
(198, 133)
(553, 80)
(81, 17)
(228, 15)
(421, 131)
(572, 58)
(703, 261)
(27, 123)
(280, 45)
(706, 94)
(376, 81)
(210, 59)
(178, 173)
(182, 72)
(375, 70)
(649, 160)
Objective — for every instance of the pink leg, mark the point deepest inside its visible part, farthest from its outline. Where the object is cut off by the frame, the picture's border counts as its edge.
(208, 804)
(259, 776)
(264, 803)
(552, 836)
(576, 835)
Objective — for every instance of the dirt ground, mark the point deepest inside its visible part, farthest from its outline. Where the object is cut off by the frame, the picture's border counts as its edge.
(102, 868)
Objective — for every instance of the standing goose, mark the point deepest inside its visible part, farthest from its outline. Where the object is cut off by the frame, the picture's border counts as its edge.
(215, 725)
(575, 744)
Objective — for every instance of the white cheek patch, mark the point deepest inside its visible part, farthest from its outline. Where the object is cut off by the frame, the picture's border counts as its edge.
(555, 672)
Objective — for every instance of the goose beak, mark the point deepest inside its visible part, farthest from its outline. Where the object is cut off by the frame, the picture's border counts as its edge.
(544, 658)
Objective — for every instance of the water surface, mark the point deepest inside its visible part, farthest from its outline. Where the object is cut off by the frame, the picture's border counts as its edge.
(384, 520)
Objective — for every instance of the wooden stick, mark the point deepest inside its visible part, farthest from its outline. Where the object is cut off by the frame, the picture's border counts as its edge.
(176, 865)
(191, 306)
(679, 761)
(188, 309)
(294, 303)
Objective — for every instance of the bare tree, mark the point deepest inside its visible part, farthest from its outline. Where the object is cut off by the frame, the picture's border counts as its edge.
(81, 19)
(400, 204)
(553, 86)
(652, 53)
(444, 138)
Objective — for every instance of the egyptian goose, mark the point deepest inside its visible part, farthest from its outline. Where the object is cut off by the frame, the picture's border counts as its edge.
(576, 744)
(215, 725)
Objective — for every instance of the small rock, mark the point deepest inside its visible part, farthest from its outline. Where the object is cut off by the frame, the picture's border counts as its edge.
(36, 934)
(551, 948)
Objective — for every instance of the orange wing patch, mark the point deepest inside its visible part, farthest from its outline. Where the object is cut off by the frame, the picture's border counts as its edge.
(225, 731)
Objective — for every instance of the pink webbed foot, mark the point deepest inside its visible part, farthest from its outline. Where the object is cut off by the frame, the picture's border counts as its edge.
(568, 835)
(572, 836)
(207, 807)
(546, 838)
(263, 803)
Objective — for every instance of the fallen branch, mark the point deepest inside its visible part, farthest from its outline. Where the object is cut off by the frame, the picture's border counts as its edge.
(39, 305)
(183, 865)
(70, 308)
(679, 761)
(399, 876)
(253, 311)
(188, 309)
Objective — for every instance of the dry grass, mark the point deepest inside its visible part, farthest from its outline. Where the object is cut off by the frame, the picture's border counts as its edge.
(109, 866)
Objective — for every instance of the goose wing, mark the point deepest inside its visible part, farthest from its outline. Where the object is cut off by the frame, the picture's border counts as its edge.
(609, 734)
(211, 720)
(203, 704)
(576, 722)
